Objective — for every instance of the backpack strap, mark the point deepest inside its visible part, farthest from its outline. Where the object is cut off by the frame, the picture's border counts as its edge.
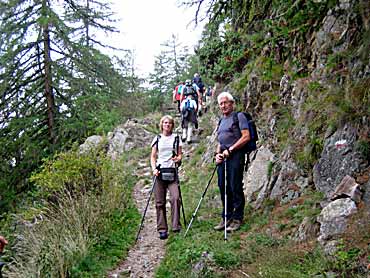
(236, 122)
(156, 142)
(175, 149)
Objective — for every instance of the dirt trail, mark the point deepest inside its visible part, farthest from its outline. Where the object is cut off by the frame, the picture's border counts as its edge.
(149, 250)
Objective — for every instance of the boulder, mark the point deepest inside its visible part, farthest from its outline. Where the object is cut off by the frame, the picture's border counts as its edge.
(116, 142)
(333, 218)
(257, 180)
(348, 188)
(90, 143)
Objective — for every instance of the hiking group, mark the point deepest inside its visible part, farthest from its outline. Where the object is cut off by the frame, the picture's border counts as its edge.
(191, 98)
(236, 136)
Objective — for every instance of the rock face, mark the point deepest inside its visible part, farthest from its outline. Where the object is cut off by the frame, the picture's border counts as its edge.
(289, 184)
(338, 169)
(337, 160)
(125, 137)
(257, 180)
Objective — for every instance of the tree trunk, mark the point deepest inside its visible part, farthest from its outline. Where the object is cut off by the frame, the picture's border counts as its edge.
(48, 79)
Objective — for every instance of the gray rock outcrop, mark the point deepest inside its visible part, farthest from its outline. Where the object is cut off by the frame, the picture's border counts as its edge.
(256, 181)
(333, 221)
(338, 159)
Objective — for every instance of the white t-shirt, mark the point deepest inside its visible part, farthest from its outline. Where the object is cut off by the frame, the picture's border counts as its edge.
(165, 148)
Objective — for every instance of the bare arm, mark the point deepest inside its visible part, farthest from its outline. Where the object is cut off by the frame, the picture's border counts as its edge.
(153, 160)
(178, 157)
(199, 97)
(246, 136)
(3, 242)
(174, 95)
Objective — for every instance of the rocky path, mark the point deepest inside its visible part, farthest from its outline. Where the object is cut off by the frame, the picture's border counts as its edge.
(148, 251)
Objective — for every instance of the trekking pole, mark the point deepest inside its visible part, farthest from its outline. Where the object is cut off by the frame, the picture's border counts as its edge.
(225, 210)
(201, 198)
(182, 203)
(146, 208)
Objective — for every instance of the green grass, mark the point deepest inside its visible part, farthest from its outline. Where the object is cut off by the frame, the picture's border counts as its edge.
(111, 247)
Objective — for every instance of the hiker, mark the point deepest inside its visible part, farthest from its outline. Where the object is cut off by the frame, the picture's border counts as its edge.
(229, 151)
(176, 95)
(188, 118)
(192, 89)
(166, 153)
(198, 81)
(3, 242)
(208, 97)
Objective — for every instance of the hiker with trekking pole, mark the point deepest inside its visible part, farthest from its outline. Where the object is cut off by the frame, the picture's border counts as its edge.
(233, 133)
(166, 155)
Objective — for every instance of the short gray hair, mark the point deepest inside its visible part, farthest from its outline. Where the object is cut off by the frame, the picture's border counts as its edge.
(226, 95)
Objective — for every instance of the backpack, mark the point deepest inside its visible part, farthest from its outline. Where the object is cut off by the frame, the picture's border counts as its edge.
(188, 106)
(179, 89)
(199, 82)
(175, 147)
(189, 90)
(252, 143)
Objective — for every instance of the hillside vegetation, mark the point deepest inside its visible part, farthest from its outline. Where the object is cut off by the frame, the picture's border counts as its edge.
(301, 68)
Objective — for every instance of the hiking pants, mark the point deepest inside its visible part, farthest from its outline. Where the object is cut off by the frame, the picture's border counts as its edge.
(234, 186)
(160, 192)
(187, 132)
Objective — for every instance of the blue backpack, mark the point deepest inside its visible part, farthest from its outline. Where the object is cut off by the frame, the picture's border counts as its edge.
(188, 106)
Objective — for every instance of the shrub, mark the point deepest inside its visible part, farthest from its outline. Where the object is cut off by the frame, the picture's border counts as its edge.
(85, 206)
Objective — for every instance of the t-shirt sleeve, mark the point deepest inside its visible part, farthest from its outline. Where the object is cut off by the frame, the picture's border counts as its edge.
(243, 122)
(153, 141)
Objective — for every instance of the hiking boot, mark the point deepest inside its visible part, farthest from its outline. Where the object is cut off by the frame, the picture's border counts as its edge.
(221, 225)
(234, 225)
(163, 235)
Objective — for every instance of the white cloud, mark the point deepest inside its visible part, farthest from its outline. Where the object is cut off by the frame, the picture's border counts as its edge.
(146, 24)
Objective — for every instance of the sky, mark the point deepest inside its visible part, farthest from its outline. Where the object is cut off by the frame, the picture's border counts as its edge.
(146, 24)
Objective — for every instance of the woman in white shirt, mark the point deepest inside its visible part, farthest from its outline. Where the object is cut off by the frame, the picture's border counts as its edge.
(166, 153)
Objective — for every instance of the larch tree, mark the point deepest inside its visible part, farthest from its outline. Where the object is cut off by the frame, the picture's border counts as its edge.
(53, 79)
